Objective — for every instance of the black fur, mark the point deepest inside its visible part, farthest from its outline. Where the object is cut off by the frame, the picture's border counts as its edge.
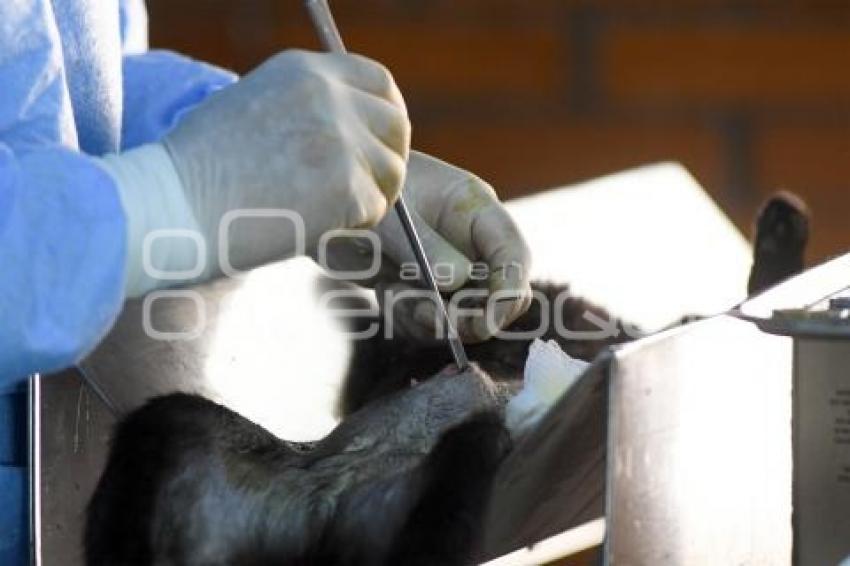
(781, 235)
(458, 473)
(380, 366)
(189, 482)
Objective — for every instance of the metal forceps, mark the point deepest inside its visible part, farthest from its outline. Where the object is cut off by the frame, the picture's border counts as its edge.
(323, 20)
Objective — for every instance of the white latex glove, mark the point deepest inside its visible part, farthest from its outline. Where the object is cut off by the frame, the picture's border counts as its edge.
(460, 220)
(323, 135)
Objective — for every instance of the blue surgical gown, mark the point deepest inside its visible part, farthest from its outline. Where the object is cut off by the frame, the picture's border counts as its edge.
(76, 81)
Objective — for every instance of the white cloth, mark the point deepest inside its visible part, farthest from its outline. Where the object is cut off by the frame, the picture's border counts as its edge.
(549, 374)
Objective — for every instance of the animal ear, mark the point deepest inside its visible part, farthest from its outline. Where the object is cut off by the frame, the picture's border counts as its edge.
(780, 239)
(444, 525)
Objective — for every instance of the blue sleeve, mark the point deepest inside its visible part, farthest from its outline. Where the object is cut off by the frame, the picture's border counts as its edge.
(62, 254)
(159, 88)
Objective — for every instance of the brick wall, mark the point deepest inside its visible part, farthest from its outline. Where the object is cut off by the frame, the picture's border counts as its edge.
(751, 95)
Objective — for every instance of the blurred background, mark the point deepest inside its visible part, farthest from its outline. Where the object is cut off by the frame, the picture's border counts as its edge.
(750, 95)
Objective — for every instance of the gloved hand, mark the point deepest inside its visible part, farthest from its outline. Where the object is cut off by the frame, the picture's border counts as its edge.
(322, 135)
(460, 220)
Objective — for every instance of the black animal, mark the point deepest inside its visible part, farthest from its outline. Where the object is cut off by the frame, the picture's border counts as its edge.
(403, 479)
(189, 482)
